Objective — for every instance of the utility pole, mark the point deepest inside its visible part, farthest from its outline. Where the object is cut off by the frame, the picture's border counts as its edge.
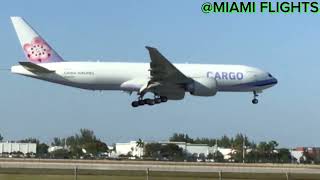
(76, 173)
(147, 173)
(216, 150)
(243, 148)
(220, 175)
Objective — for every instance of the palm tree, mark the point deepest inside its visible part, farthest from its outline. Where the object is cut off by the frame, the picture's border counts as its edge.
(140, 145)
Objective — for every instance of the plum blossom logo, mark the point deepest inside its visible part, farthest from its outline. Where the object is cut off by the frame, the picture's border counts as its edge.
(38, 50)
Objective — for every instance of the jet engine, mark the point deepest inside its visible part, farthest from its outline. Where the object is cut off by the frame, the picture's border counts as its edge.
(203, 87)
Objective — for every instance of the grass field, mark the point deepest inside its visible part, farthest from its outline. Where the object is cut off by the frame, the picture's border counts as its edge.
(51, 174)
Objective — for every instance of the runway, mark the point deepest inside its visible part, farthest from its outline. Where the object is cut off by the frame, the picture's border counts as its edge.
(160, 166)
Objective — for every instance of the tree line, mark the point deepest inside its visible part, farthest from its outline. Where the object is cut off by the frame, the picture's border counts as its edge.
(246, 150)
(85, 144)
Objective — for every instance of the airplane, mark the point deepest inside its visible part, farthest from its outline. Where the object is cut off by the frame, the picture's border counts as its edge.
(165, 80)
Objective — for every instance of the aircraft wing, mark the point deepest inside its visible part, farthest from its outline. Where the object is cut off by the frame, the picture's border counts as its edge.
(162, 70)
(165, 78)
(35, 68)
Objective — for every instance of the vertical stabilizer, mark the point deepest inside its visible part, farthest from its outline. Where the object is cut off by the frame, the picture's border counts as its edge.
(36, 49)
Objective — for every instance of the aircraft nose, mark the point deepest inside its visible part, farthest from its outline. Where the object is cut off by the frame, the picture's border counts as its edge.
(274, 81)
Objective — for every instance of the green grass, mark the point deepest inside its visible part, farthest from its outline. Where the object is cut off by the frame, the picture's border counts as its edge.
(52, 174)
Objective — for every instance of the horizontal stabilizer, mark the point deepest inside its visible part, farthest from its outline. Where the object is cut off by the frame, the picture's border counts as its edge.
(35, 68)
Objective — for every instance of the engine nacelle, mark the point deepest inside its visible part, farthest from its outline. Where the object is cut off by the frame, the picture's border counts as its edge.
(203, 87)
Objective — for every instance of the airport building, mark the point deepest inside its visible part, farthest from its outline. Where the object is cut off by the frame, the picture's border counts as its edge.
(191, 149)
(55, 148)
(197, 149)
(299, 153)
(129, 148)
(13, 147)
(227, 153)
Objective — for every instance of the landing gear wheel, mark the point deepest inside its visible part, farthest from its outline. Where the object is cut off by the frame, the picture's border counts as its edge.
(145, 101)
(150, 102)
(141, 102)
(157, 100)
(255, 101)
(163, 99)
(135, 104)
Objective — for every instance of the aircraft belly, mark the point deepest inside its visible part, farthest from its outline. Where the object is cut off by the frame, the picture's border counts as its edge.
(243, 87)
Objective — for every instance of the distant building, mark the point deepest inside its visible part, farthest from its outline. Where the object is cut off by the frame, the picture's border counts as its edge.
(297, 155)
(54, 148)
(192, 149)
(226, 152)
(129, 148)
(300, 154)
(300, 149)
(197, 149)
(12, 147)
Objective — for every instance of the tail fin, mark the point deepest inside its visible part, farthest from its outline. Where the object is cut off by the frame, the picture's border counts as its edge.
(36, 49)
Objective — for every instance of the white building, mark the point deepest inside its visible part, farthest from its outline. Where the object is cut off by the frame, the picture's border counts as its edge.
(54, 148)
(226, 152)
(198, 149)
(298, 155)
(192, 148)
(8, 147)
(130, 147)
(203, 149)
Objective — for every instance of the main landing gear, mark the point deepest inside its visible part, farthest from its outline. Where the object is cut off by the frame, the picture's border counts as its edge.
(255, 100)
(148, 101)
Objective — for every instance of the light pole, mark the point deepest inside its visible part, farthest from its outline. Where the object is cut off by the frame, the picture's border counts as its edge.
(243, 148)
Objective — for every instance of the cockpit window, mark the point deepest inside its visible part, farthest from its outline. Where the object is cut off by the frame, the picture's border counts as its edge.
(269, 75)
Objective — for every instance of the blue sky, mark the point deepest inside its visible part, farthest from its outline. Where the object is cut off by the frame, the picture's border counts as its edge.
(285, 45)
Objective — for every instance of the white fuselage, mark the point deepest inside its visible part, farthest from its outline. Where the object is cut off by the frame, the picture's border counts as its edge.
(132, 76)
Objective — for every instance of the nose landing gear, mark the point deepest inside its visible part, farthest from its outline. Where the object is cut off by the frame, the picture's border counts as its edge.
(255, 100)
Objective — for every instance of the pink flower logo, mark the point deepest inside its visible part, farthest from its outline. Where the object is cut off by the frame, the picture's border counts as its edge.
(38, 50)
